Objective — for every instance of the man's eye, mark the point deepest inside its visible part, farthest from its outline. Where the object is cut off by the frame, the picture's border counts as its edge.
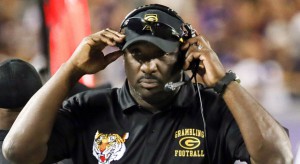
(137, 55)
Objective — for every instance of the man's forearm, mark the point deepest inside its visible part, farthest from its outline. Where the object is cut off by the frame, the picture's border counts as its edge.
(37, 118)
(265, 139)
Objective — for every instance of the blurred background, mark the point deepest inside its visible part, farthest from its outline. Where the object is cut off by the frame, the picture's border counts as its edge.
(258, 39)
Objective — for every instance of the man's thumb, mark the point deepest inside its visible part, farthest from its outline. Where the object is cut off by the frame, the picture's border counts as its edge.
(113, 56)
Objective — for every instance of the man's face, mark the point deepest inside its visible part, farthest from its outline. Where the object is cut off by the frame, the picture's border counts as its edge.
(148, 69)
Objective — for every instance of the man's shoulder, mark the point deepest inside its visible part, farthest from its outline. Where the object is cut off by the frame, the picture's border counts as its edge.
(97, 92)
(92, 96)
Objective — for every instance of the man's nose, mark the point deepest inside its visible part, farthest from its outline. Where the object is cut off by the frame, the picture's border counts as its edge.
(149, 67)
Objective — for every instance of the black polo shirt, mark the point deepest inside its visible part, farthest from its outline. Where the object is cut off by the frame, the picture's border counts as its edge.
(108, 126)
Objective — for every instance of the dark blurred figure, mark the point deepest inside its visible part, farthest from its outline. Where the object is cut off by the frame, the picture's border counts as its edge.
(18, 82)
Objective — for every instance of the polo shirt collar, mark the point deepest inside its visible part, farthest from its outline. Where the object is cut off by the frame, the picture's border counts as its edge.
(124, 97)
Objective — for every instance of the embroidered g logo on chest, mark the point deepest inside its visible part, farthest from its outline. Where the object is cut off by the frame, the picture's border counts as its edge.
(189, 142)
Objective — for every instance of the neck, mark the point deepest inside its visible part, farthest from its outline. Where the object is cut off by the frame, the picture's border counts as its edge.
(7, 118)
(154, 108)
(154, 105)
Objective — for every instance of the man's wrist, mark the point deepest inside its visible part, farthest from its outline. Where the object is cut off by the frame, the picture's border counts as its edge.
(71, 73)
(221, 85)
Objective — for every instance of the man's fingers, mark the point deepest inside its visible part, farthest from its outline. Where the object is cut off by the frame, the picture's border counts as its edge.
(205, 41)
(113, 35)
(192, 56)
(198, 40)
(116, 33)
(106, 37)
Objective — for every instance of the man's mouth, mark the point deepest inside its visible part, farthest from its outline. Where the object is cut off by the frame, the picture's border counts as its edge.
(149, 83)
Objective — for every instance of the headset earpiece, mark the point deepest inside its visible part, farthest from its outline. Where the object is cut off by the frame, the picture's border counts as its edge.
(189, 32)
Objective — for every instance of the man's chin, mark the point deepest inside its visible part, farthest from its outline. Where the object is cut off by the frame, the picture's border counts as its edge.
(153, 93)
(148, 92)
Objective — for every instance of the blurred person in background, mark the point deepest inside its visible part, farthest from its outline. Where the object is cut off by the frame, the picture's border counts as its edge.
(149, 119)
(19, 80)
(20, 33)
(262, 76)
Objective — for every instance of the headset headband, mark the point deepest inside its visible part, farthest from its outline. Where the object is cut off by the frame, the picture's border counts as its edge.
(152, 6)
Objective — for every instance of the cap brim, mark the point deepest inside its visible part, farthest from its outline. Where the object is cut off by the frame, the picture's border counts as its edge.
(163, 44)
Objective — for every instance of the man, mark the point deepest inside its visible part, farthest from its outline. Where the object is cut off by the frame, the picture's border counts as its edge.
(18, 82)
(142, 122)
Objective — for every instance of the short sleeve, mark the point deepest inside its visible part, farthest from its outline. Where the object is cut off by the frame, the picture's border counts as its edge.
(235, 144)
(229, 145)
(63, 136)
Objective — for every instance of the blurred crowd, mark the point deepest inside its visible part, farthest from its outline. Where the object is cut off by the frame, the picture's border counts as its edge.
(258, 39)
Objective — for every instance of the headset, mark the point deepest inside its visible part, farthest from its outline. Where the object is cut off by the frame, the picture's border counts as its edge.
(188, 32)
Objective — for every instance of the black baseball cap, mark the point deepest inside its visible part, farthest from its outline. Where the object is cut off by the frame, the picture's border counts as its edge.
(154, 14)
(19, 80)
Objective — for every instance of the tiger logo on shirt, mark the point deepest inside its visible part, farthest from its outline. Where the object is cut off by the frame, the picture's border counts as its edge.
(109, 147)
